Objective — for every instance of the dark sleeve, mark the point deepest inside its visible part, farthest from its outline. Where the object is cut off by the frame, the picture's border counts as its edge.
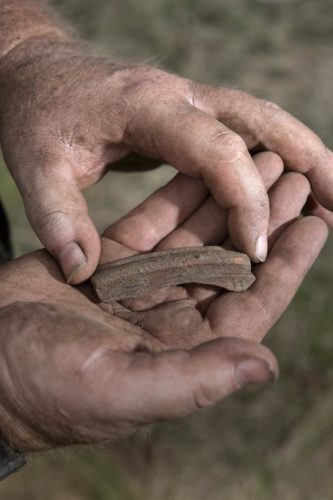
(6, 249)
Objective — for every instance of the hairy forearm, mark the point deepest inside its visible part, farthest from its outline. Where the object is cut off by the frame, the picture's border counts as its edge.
(21, 20)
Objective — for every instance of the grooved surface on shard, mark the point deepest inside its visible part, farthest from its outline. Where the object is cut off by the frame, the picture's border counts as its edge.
(141, 274)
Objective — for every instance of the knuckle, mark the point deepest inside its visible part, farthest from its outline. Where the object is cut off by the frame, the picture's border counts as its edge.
(203, 396)
(269, 109)
(258, 200)
(141, 82)
(55, 227)
(261, 200)
(151, 94)
(230, 141)
(50, 221)
(235, 142)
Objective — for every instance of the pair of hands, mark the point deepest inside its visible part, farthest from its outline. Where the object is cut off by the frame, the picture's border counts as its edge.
(73, 370)
(66, 117)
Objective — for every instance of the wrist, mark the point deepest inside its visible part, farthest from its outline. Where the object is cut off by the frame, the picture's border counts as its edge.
(17, 423)
(17, 434)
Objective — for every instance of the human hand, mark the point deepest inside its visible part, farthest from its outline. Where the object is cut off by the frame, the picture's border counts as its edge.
(66, 117)
(76, 371)
(294, 244)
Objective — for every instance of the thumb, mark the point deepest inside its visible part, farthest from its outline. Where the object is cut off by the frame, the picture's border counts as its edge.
(58, 214)
(176, 383)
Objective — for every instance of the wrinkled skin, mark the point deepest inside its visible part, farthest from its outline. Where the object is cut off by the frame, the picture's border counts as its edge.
(73, 370)
(66, 117)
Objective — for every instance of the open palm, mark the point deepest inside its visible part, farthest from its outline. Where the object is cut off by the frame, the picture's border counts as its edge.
(73, 370)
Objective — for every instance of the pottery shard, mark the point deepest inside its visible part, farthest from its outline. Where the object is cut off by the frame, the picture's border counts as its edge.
(141, 274)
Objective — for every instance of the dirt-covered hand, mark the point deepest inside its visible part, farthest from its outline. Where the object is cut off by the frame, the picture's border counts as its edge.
(66, 117)
(76, 371)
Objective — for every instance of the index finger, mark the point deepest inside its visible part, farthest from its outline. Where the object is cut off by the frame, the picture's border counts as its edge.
(263, 122)
(200, 146)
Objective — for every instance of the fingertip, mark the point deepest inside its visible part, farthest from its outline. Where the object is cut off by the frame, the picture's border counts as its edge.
(249, 233)
(255, 371)
(72, 259)
(58, 213)
(256, 363)
(262, 247)
(79, 259)
(84, 269)
(317, 226)
(270, 166)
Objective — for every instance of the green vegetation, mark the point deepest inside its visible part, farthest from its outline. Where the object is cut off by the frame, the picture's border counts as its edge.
(274, 442)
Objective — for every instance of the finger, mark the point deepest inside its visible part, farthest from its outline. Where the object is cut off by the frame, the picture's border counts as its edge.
(251, 314)
(208, 225)
(312, 207)
(270, 167)
(112, 250)
(58, 213)
(160, 213)
(263, 122)
(173, 384)
(287, 199)
(200, 146)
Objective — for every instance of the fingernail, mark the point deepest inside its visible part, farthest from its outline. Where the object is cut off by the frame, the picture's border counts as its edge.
(262, 248)
(71, 259)
(254, 371)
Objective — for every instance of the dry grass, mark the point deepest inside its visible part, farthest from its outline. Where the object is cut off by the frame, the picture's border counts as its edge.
(274, 442)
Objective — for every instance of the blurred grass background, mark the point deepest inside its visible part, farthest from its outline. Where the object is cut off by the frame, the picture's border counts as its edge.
(274, 442)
